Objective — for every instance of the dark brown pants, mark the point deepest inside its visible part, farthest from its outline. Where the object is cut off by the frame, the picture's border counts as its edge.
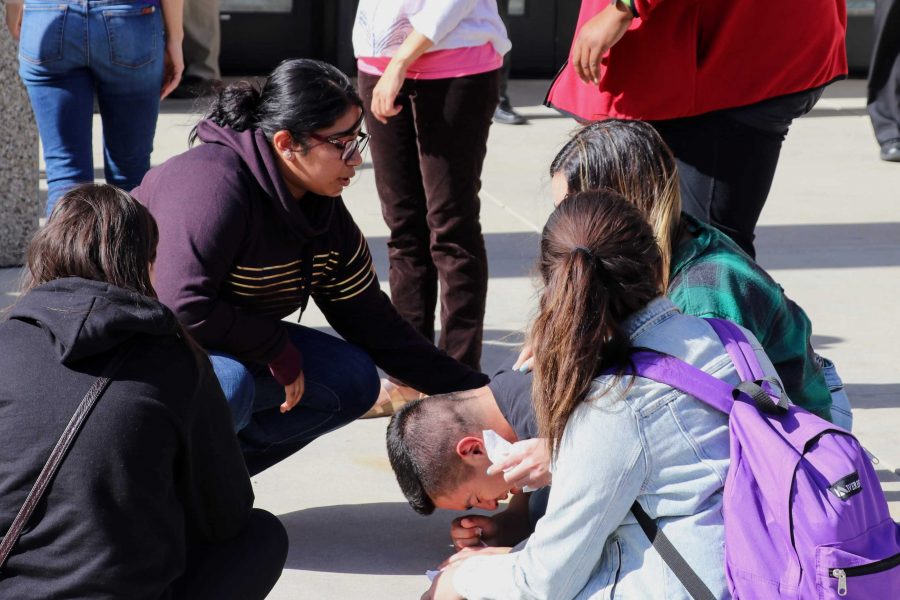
(428, 163)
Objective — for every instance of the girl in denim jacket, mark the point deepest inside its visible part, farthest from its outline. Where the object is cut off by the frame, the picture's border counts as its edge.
(615, 439)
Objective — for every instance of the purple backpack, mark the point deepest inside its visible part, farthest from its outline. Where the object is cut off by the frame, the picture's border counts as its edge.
(805, 515)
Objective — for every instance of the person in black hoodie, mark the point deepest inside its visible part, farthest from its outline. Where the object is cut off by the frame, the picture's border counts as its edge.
(251, 225)
(153, 500)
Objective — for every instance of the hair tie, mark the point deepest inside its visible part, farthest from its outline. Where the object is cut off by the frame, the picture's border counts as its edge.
(586, 251)
(600, 269)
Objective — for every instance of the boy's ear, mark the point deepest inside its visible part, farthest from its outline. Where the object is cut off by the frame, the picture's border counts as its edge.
(470, 447)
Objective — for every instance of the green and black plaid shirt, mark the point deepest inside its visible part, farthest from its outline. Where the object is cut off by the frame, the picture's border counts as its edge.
(713, 277)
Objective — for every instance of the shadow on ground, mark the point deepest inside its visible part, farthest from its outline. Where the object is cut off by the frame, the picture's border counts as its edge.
(509, 254)
(874, 395)
(823, 342)
(828, 246)
(836, 112)
(382, 538)
(889, 481)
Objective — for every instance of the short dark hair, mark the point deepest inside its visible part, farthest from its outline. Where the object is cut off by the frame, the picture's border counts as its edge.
(421, 444)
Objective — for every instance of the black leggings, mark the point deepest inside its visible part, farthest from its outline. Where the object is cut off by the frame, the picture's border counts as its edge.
(243, 568)
(727, 159)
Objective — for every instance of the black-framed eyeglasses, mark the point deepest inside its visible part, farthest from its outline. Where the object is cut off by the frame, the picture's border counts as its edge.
(347, 148)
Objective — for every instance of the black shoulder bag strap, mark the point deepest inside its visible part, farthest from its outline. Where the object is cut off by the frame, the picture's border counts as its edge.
(58, 454)
(685, 574)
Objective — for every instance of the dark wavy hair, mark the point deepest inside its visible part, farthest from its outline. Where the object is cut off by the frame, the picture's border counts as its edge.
(301, 96)
(96, 232)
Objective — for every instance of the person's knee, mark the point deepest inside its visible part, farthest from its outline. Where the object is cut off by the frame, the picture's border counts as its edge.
(271, 538)
(238, 386)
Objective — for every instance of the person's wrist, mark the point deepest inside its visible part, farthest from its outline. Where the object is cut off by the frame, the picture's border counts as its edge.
(625, 7)
(399, 65)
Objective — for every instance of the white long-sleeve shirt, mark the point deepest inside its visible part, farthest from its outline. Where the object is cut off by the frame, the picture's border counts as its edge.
(382, 25)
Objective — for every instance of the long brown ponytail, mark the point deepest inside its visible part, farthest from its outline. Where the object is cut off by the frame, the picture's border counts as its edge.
(599, 263)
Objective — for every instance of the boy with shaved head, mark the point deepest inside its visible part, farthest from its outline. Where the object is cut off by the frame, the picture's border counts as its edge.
(438, 454)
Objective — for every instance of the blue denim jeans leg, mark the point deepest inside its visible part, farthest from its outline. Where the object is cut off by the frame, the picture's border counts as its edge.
(341, 383)
(71, 50)
(841, 414)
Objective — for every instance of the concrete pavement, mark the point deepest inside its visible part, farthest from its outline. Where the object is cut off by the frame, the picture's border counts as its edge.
(830, 234)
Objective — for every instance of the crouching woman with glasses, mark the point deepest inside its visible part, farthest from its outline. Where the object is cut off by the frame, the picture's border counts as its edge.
(252, 225)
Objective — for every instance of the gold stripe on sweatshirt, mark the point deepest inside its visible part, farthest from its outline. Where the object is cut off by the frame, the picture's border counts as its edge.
(264, 286)
(269, 268)
(270, 293)
(264, 277)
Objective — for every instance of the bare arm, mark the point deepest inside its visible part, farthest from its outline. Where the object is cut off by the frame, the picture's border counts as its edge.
(14, 10)
(173, 19)
(389, 85)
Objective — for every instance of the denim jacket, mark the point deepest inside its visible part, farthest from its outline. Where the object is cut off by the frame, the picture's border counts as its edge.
(648, 442)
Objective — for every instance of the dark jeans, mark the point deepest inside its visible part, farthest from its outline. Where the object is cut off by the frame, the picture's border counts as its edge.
(341, 384)
(884, 72)
(428, 163)
(243, 568)
(727, 159)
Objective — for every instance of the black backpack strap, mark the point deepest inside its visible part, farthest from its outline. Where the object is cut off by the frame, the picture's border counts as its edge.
(685, 574)
(58, 454)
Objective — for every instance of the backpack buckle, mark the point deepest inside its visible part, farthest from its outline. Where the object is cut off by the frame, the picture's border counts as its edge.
(760, 392)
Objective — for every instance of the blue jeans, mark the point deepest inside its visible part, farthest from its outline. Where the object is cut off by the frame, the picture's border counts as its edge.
(341, 385)
(841, 413)
(70, 50)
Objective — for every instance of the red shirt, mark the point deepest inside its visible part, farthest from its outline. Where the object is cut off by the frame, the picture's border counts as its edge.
(682, 58)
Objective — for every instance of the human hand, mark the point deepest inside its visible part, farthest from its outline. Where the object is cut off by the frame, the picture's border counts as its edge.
(386, 91)
(595, 37)
(442, 587)
(465, 553)
(14, 14)
(173, 67)
(473, 530)
(525, 362)
(293, 392)
(526, 465)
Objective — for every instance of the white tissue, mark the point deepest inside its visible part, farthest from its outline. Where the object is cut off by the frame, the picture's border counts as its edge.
(497, 449)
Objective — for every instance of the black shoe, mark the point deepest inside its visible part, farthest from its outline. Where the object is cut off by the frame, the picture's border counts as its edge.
(890, 151)
(191, 87)
(506, 114)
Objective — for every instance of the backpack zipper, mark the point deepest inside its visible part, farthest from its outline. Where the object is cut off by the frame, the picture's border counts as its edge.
(876, 567)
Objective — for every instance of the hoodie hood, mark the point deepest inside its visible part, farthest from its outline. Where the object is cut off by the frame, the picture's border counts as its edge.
(84, 318)
(310, 216)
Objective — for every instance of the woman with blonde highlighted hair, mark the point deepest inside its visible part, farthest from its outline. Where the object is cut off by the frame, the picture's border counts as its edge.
(705, 273)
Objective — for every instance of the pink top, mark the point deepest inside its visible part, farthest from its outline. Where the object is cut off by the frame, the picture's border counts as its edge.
(440, 64)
